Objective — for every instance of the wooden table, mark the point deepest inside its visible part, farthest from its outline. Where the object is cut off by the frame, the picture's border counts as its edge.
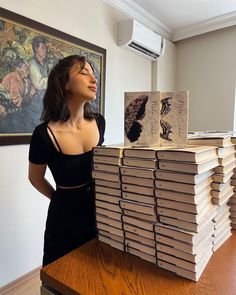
(98, 269)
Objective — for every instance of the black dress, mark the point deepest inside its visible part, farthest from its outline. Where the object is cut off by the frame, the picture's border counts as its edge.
(71, 213)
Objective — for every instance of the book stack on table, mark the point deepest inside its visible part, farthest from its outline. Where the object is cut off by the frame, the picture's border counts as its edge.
(222, 189)
(156, 203)
(106, 172)
(185, 209)
(139, 202)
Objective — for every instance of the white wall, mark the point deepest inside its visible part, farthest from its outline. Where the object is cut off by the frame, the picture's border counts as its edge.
(206, 66)
(22, 209)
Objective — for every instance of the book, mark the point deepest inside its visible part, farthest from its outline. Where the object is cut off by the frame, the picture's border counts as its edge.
(150, 235)
(139, 172)
(186, 247)
(220, 200)
(140, 181)
(194, 258)
(139, 246)
(148, 191)
(138, 223)
(222, 178)
(105, 176)
(217, 186)
(108, 213)
(199, 168)
(106, 168)
(222, 152)
(184, 235)
(194, 154)
(139, 215)
(111, 242)
(141, 254)
(187, 225)
(108, 190)
(110, 229)
(140, 239)
(109, 221)
(141, 152)
(107, 198)
(111, 236)
(108, 183)
(194, 267)
(141, 163)
(226, 160)
(174, 118)
(188, 208)
(225, 169)
(182, 177)
(139, 198)
(194, 276)
(107, 160)
(109, 150)
(212, 139)
(183, 197)
(141, 118)
(183, 187)
(108, 206)
(138, 207)
(220, 193)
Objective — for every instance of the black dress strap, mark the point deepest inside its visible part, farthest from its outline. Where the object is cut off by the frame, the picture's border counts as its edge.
(54, 137)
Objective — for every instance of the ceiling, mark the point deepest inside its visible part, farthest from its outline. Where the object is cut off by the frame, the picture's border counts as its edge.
(180, 19)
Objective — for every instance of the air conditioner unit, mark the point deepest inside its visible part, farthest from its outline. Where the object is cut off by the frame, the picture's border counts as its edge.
(136, 37)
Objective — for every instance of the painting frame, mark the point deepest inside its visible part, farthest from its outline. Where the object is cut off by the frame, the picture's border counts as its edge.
(12, 17)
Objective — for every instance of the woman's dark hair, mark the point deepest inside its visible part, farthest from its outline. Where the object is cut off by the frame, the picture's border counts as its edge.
(55, 100)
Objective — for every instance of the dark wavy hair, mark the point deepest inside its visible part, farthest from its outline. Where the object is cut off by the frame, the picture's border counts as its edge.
(55, 100)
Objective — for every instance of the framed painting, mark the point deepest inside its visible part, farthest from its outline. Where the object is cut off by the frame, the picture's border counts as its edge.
(28, 51)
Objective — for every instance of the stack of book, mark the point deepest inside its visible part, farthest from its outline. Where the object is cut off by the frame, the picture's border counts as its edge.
(222, 227)
(232, 202)
(106, 172)
(183, 186)
(138, 201)
(222, 189)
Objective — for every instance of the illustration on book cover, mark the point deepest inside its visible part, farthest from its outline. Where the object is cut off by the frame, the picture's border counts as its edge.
(142, 118)
(174, 118)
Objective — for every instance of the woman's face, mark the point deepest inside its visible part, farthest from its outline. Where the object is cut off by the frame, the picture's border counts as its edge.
(82, 83)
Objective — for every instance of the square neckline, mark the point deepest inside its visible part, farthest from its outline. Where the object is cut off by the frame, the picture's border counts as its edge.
(71, 155)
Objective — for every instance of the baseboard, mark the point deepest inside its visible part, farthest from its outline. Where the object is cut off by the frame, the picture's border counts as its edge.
(14, 284)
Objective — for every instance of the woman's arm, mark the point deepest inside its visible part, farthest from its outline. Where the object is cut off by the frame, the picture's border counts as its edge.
(37, 178)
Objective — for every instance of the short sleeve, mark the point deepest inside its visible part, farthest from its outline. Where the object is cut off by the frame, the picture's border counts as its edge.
(39, 151)
(101, 125)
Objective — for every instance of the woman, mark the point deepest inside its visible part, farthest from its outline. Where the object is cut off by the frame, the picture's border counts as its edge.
(64, 143)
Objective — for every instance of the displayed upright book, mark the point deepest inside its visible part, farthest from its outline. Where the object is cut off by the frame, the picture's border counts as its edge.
(141, 119)
(193, 154)
(174, 118)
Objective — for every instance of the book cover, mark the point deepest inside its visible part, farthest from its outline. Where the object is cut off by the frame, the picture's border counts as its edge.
(174, 118)
(115, 150)
(141, 118)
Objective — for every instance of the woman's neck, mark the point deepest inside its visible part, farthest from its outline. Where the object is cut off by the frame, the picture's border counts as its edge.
(77, 114)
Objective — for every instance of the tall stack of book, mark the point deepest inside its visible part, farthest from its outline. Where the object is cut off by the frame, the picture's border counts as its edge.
(183, 186)
(138, 201)
(232, 202)
(222, 190)
(106, 172)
